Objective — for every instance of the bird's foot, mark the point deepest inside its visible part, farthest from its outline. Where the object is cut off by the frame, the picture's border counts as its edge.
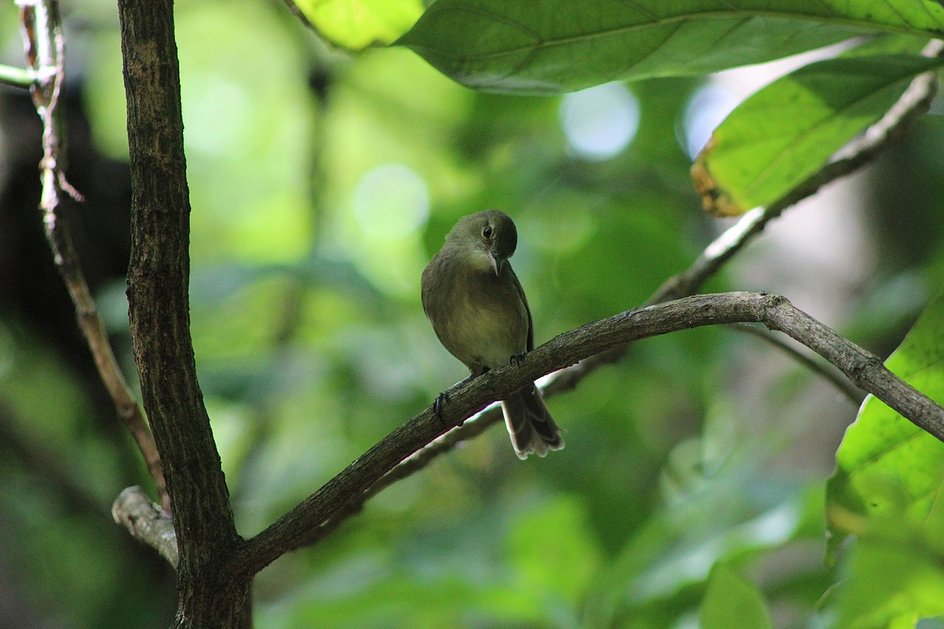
(441, 400)
(517, 359)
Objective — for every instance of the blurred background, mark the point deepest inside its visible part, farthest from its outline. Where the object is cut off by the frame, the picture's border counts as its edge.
(321, 184)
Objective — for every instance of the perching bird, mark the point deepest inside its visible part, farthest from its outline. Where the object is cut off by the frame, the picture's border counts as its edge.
(478, 310)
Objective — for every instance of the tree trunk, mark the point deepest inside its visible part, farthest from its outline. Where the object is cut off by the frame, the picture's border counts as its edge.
(212, 591)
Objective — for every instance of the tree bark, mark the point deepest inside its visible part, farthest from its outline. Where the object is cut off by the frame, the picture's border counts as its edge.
(211, 593)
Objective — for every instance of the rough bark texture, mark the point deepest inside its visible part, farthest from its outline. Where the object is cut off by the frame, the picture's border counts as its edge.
(210, 593)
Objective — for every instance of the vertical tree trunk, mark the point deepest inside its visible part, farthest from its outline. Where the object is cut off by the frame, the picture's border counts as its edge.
(212, 592)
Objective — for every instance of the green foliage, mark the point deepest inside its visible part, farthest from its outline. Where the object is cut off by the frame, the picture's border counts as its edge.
(886, 467)
(732, 601)
(757, 155)
(358, 24)
(692, 485)
(893, 578)
(558, 45)
(554, 555)
(886, 490)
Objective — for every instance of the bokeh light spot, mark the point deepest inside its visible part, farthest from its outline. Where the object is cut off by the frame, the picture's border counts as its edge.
(391, 202)
(708, 106)
(601, 121)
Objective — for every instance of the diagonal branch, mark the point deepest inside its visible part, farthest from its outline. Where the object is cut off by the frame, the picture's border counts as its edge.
(913, 103)
(304, 526)
(45, 54)
(863, 368)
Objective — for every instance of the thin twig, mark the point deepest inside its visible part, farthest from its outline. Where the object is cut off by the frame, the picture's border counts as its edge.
(297, 12)
(43, 42)
(16, 77)
(850, 391)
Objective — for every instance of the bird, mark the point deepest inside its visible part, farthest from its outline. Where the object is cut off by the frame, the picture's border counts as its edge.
(480, 314)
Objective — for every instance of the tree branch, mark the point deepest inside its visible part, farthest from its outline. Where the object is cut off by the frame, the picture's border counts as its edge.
(913, 103)
(910, 106)
(147, 522)
(45, 54)
(866, 370)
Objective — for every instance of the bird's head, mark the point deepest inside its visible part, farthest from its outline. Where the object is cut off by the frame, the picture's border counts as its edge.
(487, 238)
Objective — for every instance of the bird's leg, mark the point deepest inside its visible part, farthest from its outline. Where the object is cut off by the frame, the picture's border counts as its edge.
(438, 404)
(517, 359)
(443, 398)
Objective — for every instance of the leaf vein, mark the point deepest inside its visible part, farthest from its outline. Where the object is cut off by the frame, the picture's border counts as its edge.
(630, 28)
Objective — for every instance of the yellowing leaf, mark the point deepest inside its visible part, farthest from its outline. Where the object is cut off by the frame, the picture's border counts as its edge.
(766, 148)
(359, 24)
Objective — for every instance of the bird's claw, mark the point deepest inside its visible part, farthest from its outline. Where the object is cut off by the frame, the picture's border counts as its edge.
(441, 400)
(517, 359)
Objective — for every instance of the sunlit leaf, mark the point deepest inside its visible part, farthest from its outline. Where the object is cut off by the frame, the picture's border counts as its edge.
(558, 45)
(357, 24)
(887, 468)
(732, 601)
(892, 580)
(759, 153)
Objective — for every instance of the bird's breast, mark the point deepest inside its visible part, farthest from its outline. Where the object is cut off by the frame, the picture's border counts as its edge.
(480, 318)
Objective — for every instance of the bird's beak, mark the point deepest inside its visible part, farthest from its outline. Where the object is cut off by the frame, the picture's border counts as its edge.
(497, 262)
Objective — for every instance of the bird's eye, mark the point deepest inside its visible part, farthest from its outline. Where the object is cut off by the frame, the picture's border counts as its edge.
(487, 231)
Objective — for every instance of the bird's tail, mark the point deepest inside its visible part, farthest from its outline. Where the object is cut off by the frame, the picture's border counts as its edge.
(529, 423)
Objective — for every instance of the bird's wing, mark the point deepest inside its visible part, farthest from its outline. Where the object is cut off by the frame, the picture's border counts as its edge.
(527, 308)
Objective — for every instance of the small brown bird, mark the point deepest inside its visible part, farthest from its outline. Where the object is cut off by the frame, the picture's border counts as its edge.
(478, 310)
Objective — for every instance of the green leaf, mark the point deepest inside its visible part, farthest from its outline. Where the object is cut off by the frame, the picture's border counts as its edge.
(887, 469)
(732, 601)
(358, 24)
(786, 131)
(725, 518)
(548, 46)
(892, 580)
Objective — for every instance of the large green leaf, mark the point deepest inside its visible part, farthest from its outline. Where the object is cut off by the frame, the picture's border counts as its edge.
(358, 24)
(887, 469)
(546, 46)
(786, 131)
(892, 580)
